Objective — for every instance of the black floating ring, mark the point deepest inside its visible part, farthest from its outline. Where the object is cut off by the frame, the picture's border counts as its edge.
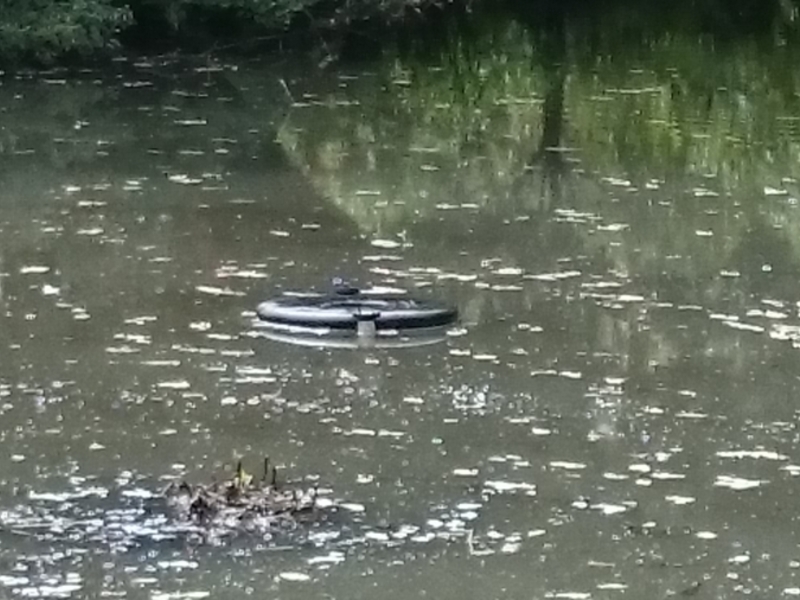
(339, 311)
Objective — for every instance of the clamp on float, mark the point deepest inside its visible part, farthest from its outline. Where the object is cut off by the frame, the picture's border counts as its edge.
(366, 325)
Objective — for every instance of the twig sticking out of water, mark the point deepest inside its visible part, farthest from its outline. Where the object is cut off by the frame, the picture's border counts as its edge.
(285, 87)
(266, 471)
(240, 499)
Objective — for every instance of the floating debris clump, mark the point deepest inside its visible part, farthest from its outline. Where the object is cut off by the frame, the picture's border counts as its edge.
(129, 516)
(243, 503)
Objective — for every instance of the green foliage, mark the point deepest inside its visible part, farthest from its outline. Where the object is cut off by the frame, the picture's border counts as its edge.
(185, 14)
(43, 29)
(49, 29)
(46, 29)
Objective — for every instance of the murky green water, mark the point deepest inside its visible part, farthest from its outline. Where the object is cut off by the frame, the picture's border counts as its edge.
(618, 225)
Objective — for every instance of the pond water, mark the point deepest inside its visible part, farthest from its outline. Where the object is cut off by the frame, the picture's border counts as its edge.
(616, 219)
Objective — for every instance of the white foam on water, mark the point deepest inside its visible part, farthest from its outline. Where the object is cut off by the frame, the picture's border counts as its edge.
(332, 557)
(757, 454)
(612, 586)
(792, 591)
(610, 509)
(744, 326)
(180, 384)
(640, 468)
(64, 590)
(502, 486)
(507, 271)
(680, 500)
(386, 244)
(567, 465)
(217, 291)
(33, 269)
(465, 472)
(294, 576)
(737, 483)
(666, 476)
(178, 564)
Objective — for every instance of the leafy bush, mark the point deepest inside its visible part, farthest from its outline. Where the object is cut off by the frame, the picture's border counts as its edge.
(43, 29)
(47, 29)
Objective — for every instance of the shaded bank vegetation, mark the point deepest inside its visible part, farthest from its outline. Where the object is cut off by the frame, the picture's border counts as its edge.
(43, 30)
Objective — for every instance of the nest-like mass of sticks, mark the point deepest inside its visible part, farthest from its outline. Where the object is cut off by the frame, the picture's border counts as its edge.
(242, 502)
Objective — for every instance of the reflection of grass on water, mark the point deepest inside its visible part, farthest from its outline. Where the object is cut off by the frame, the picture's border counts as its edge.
(463, 124)
(727, 117)
(421, 124)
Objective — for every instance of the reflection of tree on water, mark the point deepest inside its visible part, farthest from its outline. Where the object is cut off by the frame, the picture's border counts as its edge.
(678, 138)
(549, 29)
(154, 172)
(465, 127)
(464, 99)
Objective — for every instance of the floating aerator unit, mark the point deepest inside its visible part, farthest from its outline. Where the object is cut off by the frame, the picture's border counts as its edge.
(348, 308)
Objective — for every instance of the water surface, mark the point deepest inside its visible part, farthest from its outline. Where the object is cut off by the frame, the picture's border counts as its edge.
(614, 417)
